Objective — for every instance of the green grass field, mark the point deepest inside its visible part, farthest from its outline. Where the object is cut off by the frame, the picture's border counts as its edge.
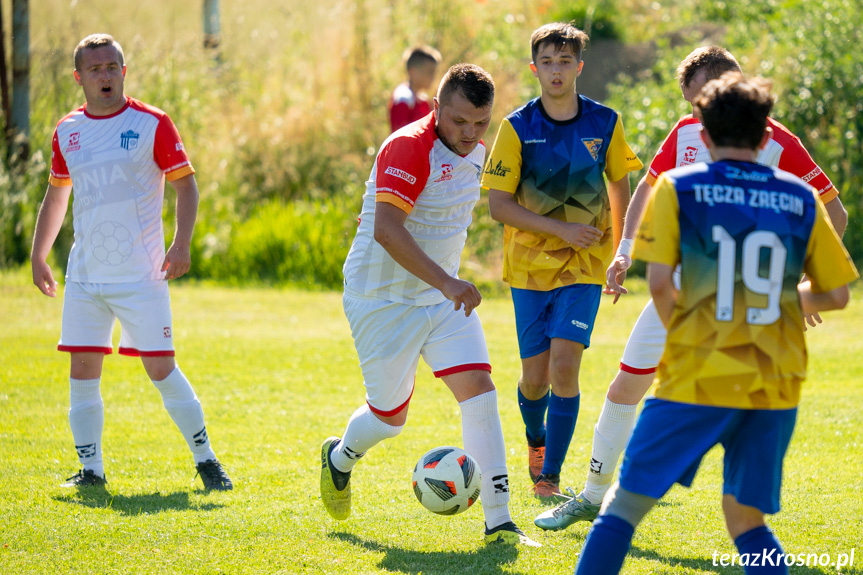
(277, 373)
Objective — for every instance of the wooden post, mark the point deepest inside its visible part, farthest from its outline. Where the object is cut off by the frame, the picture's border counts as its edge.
(4, 90)
(212, 28)
(20, 113)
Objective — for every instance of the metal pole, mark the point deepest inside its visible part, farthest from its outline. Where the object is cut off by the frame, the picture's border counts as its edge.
(212, 28)
(20, 115)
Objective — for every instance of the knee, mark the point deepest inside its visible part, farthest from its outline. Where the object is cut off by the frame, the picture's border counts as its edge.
(159, 368)
(740, 518)
(563, 373)
(628, 388)
(533, 387)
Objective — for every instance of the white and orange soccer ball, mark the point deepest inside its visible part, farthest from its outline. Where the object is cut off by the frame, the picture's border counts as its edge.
(447, 480)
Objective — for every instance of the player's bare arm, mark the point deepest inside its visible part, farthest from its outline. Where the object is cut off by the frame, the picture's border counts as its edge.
(619, 196)
(48, 225)
(505, 209)
(616, 272)
(812, 302)
(662, 290)
(391, 234)
(838, 215)
(178, 258)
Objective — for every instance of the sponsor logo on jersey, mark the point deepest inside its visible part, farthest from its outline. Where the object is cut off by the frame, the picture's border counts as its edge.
(401, 174)
(446, 169)
(179, 146)
(497, 170)
(579, 324)
(812, 175)
(735, 173)
(74, 142)
(166, 332)
(689, 155)
(593, 145)
(129, 140)
(534, 141)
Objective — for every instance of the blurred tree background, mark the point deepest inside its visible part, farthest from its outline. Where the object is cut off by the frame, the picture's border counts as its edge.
(283, 125)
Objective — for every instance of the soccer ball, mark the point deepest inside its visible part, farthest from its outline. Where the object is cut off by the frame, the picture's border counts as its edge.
(447, 480)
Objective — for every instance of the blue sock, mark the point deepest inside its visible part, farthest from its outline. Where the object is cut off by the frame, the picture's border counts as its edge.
(763, 549)
(533, 415)
(562, 415)
(605, 547)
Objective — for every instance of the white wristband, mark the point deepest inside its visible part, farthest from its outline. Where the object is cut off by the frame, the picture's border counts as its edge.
(625, 247)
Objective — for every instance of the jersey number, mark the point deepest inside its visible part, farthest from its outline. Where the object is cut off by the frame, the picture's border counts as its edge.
(771, 286)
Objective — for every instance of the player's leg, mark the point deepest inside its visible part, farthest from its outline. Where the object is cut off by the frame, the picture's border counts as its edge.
(86, 334)
(754, 454)
(144, 311)
(457, 353)
(667, 445)
(388, 337)
(571, 319)
(617, 418)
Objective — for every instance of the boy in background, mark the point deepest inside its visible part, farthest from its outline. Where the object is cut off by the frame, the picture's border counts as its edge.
(409, 102)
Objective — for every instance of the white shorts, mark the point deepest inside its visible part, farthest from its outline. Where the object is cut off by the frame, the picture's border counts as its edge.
(390, 337)
(144, 311)
(647, 339)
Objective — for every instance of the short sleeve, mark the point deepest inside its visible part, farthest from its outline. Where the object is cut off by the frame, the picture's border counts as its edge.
(796, 159)
(827, 264)
(402, 172)
(620, 159)
(59, 175)
(658, 238)
(169, 152)
(665, 158)
(503, 169)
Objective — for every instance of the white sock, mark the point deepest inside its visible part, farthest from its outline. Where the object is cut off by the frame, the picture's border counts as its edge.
(185, 409)
(87, 418)
(610, 436)
(483, 439)
(363, 432)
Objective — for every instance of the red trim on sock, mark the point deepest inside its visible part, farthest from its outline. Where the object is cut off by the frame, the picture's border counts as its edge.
(393, 411)
(85, 349)
(463, 368)
(132, 352)
(636, 370)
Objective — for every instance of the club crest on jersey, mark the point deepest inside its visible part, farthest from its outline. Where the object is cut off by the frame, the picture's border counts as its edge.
(74, 142)
(166, 332)
(446, 169)
(129, 140)
(689, 155)
(593, 145)
(401, 174)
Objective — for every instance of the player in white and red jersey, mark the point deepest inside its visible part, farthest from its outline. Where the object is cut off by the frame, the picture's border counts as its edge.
(403, 297)
(682, 146)
(117, 152)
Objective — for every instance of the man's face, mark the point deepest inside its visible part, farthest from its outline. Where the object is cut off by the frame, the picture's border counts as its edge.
(460, 124)
(695, 85)
(101, 76)
(556, 70)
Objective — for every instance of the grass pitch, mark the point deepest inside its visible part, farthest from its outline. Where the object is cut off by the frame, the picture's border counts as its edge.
(277, 373)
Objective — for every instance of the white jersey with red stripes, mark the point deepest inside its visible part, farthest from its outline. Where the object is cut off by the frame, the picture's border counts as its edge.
(438, 189)
(683, 146)
(117, 167)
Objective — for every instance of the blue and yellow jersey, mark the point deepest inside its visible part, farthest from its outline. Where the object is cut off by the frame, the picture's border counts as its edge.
(556, 169)
(743, 235)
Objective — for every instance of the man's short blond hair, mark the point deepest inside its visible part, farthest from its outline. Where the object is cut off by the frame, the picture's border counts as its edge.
(97, 41)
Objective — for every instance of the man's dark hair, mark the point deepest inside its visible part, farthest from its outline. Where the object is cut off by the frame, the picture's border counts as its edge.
(420, 55)
(714, 60)
(734, 110)
(471, 81)
(562, 35)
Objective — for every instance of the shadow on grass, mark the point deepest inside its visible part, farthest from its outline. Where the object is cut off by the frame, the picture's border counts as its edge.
(486, 559)
(708, 566)
(143, 504)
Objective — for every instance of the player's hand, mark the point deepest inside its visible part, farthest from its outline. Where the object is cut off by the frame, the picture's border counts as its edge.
(462, 293)
(579, 235)
(813, 319)
(44, 279)
(178, 261)
(615, 275)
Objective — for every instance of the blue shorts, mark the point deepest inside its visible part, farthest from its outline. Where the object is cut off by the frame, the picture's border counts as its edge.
(567, 312)
(670, 439)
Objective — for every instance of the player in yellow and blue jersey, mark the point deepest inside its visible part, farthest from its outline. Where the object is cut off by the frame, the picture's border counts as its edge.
(546, 177)
(735, 355)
